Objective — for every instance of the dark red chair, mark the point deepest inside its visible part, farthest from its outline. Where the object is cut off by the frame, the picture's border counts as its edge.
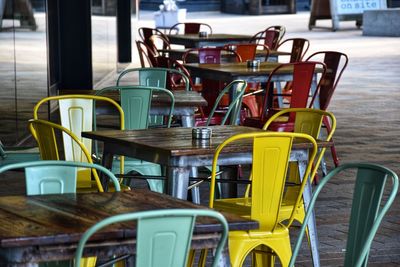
(280, 28)
(298, 48)
(269, 37)
(303, 74)
(145, 33)
(190, 28)
(146, 55)
(335, 62)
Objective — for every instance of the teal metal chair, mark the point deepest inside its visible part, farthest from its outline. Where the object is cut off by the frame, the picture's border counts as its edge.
(163, 236)
(136, 104)
(229, 115)
(366, 211)
(54, 176)
(155, 77)
(17, 154)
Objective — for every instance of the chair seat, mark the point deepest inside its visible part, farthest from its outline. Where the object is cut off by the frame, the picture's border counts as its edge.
(239, 206)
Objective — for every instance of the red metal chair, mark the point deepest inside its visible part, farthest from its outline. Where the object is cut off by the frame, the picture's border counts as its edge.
(210, 55)
(335, 63)
(303, 74)
(190, 28)
(247, 51)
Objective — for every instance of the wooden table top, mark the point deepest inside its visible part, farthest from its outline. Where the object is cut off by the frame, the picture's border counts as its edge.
(178, 52)
(182, 98)
(210, 37)
(62, 219)
(178, 141)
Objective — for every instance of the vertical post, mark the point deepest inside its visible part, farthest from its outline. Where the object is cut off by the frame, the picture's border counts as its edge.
(75, 33)
(124, 35)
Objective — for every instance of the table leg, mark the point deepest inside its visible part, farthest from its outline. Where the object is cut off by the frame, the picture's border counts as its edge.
(107, 161)
(311, 226)
(178, 181)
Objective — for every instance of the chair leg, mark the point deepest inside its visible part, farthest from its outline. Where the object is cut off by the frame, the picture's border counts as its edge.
(333, 149)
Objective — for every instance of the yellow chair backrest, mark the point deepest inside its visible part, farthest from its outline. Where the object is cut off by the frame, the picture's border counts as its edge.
(45, 134)
(271, 152)
(76, 115)
(308, 121)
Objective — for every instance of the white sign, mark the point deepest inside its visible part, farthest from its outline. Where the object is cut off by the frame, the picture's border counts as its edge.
(357, 6)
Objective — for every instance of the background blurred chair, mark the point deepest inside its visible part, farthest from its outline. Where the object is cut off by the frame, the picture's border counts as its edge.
(210, 55)
(170, 230)
(268, 37)
(280, 28)
(303, 75)
(190, 28)
(146, 54)
(367, 211)
(268, 179)
(297, 47)
(336, 63)
(136, 103)
(145, 33)
(159, 42)
(77, 114)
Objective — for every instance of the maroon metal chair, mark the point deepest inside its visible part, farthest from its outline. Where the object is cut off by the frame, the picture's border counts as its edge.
(298, 48)
(145, 33)
(335, 62)
(268, 37)
(190, 28)
(146, 55)
(303, 74)
(280, 28)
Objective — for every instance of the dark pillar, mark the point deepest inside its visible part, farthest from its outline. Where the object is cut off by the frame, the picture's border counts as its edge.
(124, 39)
(75, 58)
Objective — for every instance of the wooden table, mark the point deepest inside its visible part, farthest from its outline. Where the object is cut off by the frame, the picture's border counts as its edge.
(186, 104)
(215, 39)
(177, 54)
(48, 228)
(175, 149)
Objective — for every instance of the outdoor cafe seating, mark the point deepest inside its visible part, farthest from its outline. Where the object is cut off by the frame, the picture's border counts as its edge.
(117, 164)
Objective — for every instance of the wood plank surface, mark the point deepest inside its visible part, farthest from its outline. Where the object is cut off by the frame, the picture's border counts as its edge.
(179, 142)
(182, 98)
(61, 219)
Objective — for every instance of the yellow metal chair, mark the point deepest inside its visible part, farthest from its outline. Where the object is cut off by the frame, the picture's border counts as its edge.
(77, 114)
(271, 152)
(306, 121)
(45, 134)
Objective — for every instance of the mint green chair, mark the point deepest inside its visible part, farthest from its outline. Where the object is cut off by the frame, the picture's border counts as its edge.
(229, 115)
(17, 154)
(163, 236)
(136, 104)
(54, 176)
(156, 77)
(366, 211)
